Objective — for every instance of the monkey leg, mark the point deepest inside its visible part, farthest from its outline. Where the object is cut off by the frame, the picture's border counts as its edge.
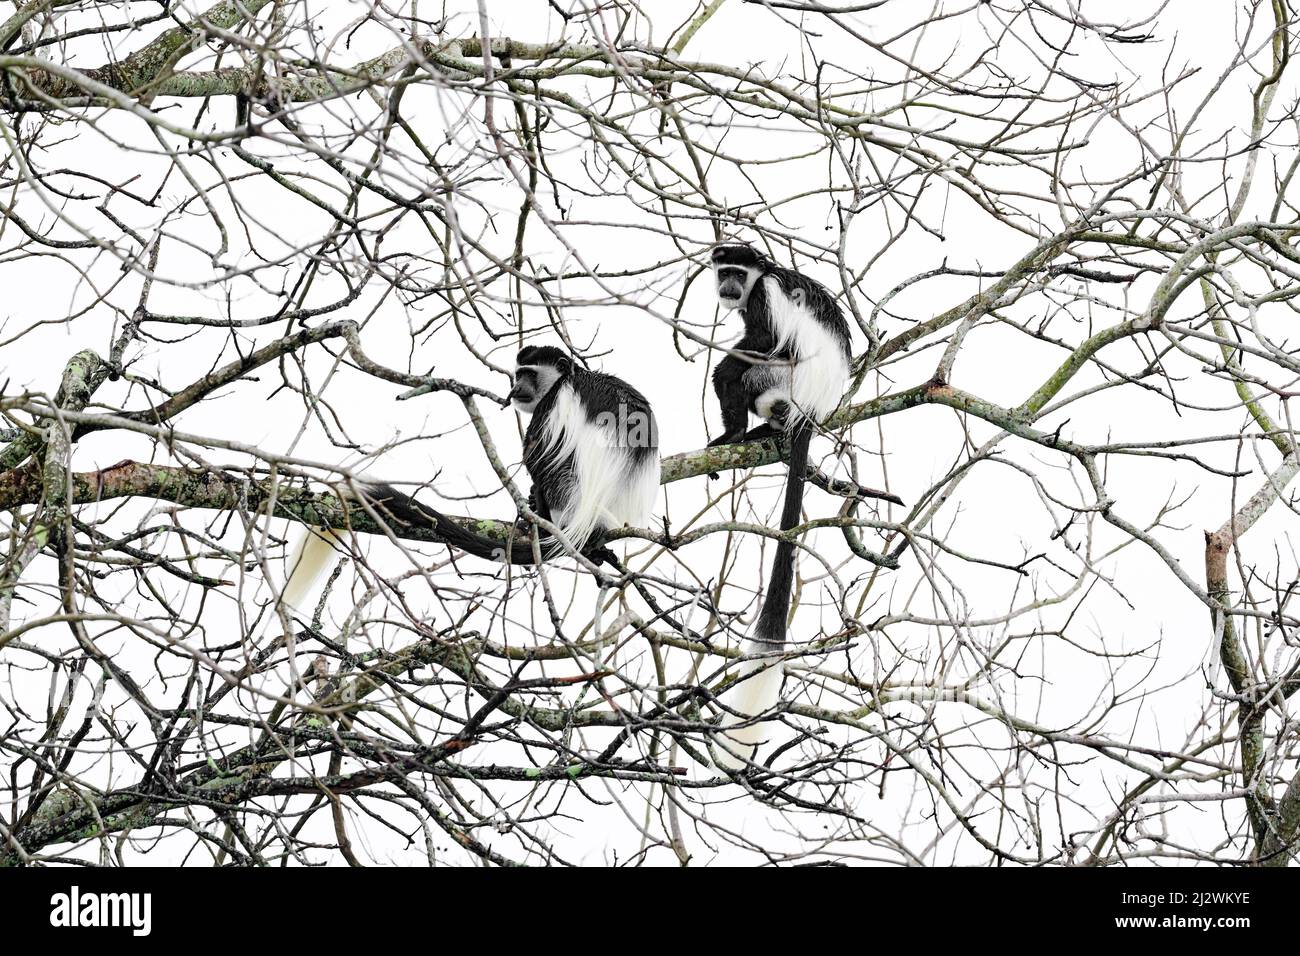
(733, 399)
(774, 427)
(763, 431)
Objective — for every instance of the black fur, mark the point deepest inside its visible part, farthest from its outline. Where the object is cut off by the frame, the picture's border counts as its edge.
(544, 355)
(400, 510)
(770, 630)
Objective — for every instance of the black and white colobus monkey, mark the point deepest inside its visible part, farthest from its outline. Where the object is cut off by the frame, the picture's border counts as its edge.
(592, 450)
(790, 368)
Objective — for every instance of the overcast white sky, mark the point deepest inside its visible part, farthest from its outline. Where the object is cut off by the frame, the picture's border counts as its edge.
(996, 512)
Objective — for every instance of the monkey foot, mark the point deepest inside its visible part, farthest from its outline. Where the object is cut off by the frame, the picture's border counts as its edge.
(762, 432)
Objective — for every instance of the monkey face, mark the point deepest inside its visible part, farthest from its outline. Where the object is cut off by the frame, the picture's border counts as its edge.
(527, 391)
(533, 382)
(734, 284)
(736, 267)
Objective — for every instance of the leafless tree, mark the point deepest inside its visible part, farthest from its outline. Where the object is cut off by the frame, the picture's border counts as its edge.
(254, 251)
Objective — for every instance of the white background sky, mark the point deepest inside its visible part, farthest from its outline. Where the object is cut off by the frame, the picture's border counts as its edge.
(996, 512)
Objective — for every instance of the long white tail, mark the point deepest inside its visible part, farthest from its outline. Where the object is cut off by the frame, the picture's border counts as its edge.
(757, 692)
(314, 553)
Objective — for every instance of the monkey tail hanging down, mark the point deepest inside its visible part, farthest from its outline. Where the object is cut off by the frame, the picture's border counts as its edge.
(591, 449)
(790, 368)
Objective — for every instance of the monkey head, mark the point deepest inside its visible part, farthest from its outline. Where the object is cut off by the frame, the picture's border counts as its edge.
(538, 369)
(736, 267)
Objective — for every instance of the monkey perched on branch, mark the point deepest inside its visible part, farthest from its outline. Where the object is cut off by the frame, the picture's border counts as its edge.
(790, 368)
(591, 449)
